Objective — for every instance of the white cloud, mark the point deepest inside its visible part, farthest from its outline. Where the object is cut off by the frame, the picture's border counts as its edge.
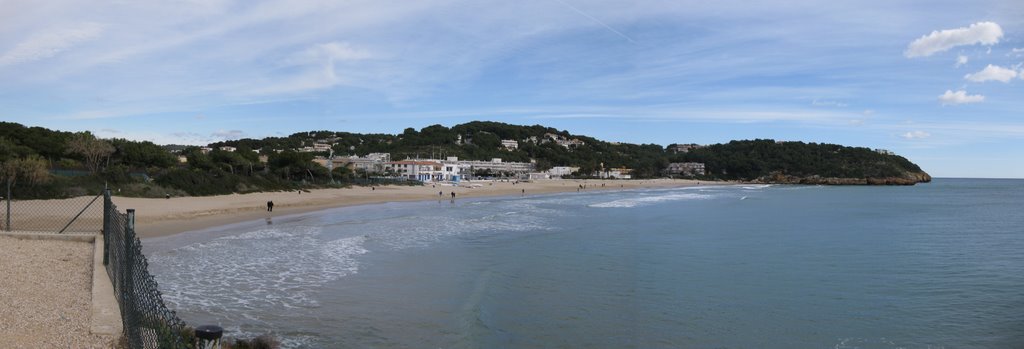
(959, 97)
(329, 52)
(48, 44)
(826, 103)
(228, 134)
(916, 135)
(960, 60)
(985, 33)
(992, 72)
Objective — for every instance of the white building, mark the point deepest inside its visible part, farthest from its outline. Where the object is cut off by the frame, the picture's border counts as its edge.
(371, 163)
(616, 173)
(495, 166)
(685, 148)
(562, 171)
(415, 169)
(228, 148)
(449, 172)
(510, 144)
(685, 168)
(317, 147)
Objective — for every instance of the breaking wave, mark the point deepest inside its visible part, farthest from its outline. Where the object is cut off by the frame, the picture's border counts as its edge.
(647, 200)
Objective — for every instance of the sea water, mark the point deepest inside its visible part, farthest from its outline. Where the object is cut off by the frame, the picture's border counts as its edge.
(938, 265)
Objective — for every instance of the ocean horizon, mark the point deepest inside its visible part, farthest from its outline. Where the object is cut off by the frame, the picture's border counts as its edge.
(935, 265)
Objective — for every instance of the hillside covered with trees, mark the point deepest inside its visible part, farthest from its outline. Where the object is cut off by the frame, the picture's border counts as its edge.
(769, 161)
(43, 163)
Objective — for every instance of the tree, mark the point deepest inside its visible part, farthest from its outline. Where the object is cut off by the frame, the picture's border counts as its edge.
(93, 150)
(32, 169)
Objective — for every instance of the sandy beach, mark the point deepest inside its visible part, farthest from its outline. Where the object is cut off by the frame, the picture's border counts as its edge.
(45, 297)
(161, 217)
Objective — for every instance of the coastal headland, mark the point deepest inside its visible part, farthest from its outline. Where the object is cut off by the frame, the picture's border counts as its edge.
(162, 217)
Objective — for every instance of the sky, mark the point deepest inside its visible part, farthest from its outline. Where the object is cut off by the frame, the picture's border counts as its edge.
(939, 82)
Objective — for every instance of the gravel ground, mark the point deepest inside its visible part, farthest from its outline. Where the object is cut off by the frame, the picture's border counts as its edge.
(46, 294)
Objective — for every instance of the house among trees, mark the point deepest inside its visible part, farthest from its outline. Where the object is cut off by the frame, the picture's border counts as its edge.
(684, 148)
(510, 144)
(687, 169)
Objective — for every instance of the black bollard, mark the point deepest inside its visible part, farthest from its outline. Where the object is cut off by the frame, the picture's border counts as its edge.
(208, 336)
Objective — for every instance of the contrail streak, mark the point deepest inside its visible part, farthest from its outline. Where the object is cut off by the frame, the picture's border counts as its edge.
(596, 20)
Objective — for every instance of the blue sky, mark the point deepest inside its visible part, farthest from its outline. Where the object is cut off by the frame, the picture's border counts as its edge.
(939, 82)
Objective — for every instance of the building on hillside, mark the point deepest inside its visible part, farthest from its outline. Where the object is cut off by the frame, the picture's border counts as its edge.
(325, 162)
(562, 171)
(562, 141)
(205, 150)
(684, 148)
(453, 169)
(687, 169)
(510, 144)
(182, 159)
(884, 152)
(317, 147)
(228, 148)
(371, 163)
(538, 175)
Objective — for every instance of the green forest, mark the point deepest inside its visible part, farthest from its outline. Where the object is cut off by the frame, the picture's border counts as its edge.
(44, 163)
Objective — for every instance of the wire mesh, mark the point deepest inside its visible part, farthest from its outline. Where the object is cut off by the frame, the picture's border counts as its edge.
(82, 214)
(148, 323)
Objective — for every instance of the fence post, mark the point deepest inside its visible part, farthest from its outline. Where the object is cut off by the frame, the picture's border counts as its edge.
(107, 208)
(208, 337)
(8, 227)
(128, 283)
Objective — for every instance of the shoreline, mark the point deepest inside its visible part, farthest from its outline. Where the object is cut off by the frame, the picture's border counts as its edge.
(165, 217)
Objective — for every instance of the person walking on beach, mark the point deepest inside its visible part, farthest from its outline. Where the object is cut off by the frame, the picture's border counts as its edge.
(270, 206)
(453, 195)
(524, 192)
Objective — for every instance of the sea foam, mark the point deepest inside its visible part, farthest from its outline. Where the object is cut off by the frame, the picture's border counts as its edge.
(648, 200)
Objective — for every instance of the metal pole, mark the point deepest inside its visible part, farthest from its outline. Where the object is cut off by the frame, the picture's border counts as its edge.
(78, 215)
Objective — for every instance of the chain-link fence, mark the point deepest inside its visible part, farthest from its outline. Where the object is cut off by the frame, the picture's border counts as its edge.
(148, 323)
(82, 214)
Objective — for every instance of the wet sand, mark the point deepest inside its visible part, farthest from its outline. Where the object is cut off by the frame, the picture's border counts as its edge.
(161, 217)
